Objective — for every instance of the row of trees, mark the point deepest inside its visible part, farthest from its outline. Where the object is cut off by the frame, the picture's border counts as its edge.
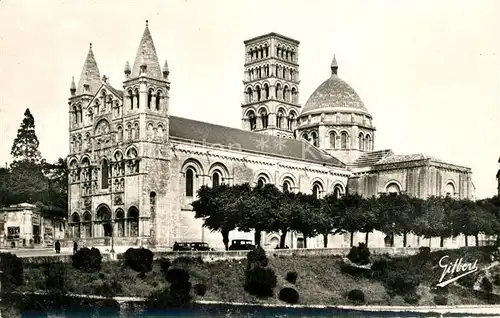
(30, 178)
(266, 208)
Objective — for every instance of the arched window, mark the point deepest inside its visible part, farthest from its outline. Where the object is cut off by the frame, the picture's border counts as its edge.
(252, 120)
(261, 182)
(120, 222)
(76, 225)
(291, 120)
(87, 224)
(316, 190)
(129, 132)
(158, 100)
(257, 90)
(286, 93)
(337, 191)
(189, 182)
(450, 190)
(368, 143)
(287, 186)
(279, 118)
(216, 177)
(249, 95)
(137, 97)
(104, 174)
(343, 140)
(266, 91)
(133, 221)
(131, 98)
(294, 95)
(305, 137)
(150, 97)
(136, 130)
(333, 140)
(361, 141)
(278, 91)
(264, 118)
(314, 138)
(393, 189)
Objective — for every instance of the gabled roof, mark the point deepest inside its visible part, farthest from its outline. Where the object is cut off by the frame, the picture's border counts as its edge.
(90, 75)
(146, 54)
(370, 158)
(113, 90)
(189, 130)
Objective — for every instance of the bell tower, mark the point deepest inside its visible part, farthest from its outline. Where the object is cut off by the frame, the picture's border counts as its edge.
(271, 85)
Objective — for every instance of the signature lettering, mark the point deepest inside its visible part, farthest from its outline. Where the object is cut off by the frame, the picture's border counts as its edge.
(459, 267)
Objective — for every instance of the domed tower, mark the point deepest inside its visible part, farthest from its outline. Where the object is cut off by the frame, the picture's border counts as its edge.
(335, 119)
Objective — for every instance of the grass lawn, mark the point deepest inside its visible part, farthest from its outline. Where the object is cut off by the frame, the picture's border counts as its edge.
(320, 280)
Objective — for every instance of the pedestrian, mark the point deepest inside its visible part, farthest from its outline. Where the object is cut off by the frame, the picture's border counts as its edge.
(58, 247)
(75, 247)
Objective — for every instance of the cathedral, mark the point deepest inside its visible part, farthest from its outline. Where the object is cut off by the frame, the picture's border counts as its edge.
(135, 168)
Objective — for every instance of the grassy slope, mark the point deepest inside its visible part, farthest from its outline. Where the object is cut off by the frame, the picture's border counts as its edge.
(320, 281)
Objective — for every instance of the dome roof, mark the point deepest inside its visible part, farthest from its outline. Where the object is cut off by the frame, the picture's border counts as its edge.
(334, 93)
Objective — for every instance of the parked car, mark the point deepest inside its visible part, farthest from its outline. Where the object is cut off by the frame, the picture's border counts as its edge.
(192, 246)
(239, 245)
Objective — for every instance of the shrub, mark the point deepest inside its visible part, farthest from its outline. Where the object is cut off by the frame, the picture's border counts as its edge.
(177, 275)
(486, 285)
(468, 281)
(401, 282)
(200, 289)
(412, 298)
(356, 295)
(257, 257)
(289, 295)
(440, 300)
(496, 279)
(260, 281)
(88, 260)
(54, 277)
(165, 264)
(359, 254)
(102, 276)
(380, 265)
(291, 277)
(424, 250)
(12, 271)
(139, 259)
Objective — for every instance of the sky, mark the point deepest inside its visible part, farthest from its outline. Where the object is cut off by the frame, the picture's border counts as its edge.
(428, 71)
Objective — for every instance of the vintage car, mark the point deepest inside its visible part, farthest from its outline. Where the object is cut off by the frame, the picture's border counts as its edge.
(191, 246)
(239, 245)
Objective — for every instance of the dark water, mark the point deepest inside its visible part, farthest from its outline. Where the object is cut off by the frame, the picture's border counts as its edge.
(227, 311)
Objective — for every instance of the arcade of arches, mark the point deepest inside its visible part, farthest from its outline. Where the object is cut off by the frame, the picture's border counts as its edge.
(105, 224)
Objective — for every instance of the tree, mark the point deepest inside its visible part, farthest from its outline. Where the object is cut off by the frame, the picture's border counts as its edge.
(25, 146)
(470, 219)
(27, 183)
(492, 208)
(351, 214)
(220, 208)
(261, 206)
(432, 221)
(306, 216)
(330, 217)
(397, 215)
(5, 194)
(284, 215)
(56, 202)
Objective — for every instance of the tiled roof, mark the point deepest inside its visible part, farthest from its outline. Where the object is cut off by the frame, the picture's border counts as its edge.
(115, 91)
(334, 93)
(247, 141)
(146, 54)
(370, 158)
(90, 75)
(403, 158)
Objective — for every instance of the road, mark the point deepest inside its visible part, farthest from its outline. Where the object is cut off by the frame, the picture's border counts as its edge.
(34, 252)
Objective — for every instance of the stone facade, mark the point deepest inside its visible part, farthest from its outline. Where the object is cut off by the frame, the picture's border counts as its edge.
(135, 168)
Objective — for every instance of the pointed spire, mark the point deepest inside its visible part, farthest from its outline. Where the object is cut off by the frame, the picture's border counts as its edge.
(127, 68)
(146, 56)
(90, 75)
(72, 87)
(335, 66)
(166, 71)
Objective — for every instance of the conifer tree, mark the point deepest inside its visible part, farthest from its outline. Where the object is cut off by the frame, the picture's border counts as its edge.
(25, 146)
